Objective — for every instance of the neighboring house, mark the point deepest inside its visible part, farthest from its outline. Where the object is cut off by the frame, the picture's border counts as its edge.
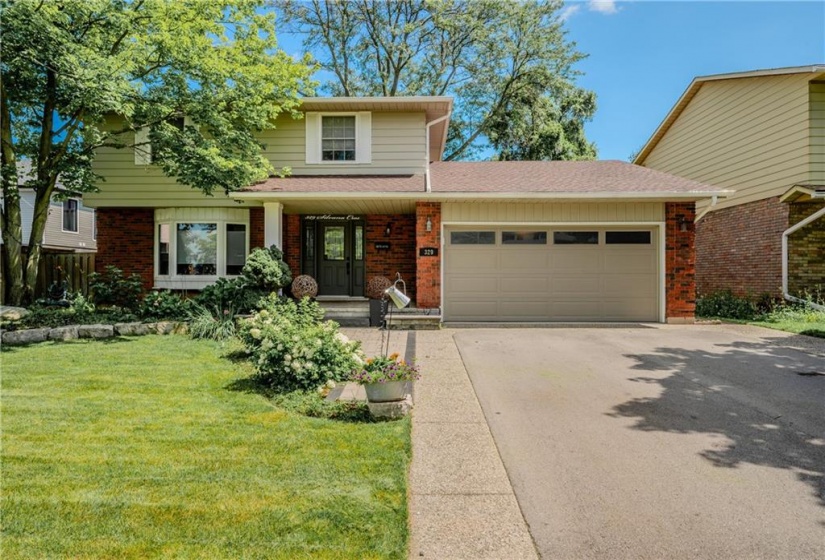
(762, 134)
(369, 196)
(70, 226)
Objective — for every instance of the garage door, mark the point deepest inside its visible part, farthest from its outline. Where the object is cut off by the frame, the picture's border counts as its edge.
(550, 274)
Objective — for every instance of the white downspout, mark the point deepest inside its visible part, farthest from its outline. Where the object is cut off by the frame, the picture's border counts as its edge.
(427, 186)
(813, 217)
(701, 215)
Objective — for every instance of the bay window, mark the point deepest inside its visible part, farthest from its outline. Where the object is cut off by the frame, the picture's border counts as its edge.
(196, 246)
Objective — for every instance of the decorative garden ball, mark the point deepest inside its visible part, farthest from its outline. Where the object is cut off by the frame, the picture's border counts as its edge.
(303, 286)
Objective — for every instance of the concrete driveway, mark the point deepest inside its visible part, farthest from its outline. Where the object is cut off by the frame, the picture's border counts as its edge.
(659, 442)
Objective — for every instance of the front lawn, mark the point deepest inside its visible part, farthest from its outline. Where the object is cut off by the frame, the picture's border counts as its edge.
(139, 448)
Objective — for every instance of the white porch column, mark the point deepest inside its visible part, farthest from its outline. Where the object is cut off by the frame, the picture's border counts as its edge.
(273, 224)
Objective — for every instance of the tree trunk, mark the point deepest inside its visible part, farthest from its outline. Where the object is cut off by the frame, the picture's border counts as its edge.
(41, 214)
(10, 221)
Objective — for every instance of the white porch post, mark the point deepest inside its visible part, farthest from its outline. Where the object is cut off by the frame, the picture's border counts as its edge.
(273, 224)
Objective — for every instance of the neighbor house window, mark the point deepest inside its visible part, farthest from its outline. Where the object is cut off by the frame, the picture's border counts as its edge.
(338, 138)
(194, 246)
(70, 215)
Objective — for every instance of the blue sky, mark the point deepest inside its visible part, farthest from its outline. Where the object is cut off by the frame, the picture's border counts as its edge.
(644, 53)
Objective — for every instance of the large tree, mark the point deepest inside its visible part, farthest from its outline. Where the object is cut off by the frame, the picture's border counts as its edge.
(507, 64)
(67, 65)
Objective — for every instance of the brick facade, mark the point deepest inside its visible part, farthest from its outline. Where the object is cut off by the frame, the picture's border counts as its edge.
(291, 237)
(125, 239)
(740, 249)
(680, 277)
(256, 228)
(428, 269)
(401, 255)
(806, 251)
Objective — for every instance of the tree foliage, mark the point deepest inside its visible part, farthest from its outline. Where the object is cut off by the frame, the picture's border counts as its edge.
(507, 64)
(69, 65)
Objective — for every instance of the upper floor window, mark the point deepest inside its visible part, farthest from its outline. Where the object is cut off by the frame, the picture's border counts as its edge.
(70, 215)
(338, 138)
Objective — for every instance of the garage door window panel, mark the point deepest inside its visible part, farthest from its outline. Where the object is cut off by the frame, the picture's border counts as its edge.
(524, 238)
(473, 237)
(575, 237)
(628, 238)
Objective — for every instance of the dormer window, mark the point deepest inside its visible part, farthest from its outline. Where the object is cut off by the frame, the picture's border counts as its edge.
(338, 138)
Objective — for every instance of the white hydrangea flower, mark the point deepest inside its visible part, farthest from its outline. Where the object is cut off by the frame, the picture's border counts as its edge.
(255, 333)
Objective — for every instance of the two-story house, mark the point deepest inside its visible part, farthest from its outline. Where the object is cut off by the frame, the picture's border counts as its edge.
(369, 196)
(70, 225)
(761, 134)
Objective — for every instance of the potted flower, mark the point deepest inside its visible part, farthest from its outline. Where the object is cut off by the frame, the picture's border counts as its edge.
(384, 377)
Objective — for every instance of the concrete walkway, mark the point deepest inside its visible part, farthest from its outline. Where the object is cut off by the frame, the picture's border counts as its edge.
(461, 503)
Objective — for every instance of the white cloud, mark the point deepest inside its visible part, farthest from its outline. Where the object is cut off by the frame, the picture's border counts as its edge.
(568, 12)
(603, 6)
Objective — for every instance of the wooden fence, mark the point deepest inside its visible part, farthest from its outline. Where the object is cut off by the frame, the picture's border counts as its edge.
(72, 267)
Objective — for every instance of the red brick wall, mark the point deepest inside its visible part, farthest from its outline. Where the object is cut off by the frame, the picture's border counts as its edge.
(806, 251)
(428, 269)
(256, 228)
(740, 249)
(125, 239)
(292, 242)
(680, 277)
(401, 255)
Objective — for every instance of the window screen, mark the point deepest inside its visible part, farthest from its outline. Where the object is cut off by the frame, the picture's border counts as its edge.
(235, 248)
(338, 138)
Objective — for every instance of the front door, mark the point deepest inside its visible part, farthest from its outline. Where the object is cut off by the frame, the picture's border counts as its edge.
(340, 258)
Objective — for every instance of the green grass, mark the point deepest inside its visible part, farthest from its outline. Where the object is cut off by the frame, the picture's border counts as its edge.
(794, 319)
(139, 448)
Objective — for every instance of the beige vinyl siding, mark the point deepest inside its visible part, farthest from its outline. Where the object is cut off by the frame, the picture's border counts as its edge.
(55, 237)
(398, 147)
(569, 212)
(817, 132)
(747, 134)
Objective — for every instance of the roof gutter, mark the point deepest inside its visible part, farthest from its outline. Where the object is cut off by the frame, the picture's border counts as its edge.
(427, 184)
(476, 196)
(785, 234)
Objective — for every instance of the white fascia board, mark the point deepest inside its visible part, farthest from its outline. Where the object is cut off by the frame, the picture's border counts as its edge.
(478, 197)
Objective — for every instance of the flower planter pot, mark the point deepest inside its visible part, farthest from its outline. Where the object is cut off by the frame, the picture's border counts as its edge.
(386, 392)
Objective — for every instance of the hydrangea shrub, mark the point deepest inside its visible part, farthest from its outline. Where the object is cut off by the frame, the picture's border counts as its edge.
(291, 347)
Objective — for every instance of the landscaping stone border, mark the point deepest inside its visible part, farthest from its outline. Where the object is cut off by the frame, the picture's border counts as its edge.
(100, 331)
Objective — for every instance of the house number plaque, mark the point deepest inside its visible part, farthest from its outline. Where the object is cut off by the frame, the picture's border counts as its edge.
(428, 252)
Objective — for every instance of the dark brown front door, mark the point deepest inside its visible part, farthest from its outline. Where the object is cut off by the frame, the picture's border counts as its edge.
(340, 257)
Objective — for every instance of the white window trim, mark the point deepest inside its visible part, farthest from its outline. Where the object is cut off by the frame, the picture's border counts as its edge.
(175, 216)
(363, 137)
(76, 216)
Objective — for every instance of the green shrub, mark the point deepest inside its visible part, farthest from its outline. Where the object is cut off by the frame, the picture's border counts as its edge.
(725, 304)
(80, 312)
(230, 297)
(292, 349)
(165, 305)
(266, 269)
(113, 288)
(204, 324)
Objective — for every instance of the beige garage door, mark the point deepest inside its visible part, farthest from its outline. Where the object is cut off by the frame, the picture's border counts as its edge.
(550, 274)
